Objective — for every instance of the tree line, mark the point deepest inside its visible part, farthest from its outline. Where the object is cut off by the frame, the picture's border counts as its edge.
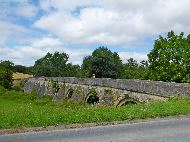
(169, 60)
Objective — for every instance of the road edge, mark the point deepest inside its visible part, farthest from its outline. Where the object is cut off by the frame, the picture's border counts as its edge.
(85, 125)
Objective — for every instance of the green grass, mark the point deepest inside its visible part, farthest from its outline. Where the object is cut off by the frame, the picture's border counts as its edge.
(18, 109)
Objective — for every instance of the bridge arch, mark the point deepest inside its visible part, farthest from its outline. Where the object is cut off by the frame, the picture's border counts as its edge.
(126, 101)
(70, 93)
(92, 97)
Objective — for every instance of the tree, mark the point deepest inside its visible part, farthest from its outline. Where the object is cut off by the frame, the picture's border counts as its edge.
(20, 69)
(86, 67)
(30, 70)
(170, 58)
(73, 70)
(130, 69)
(133, 70)
(7, 64)
(55, 65)
(6, 74)
(103, 63)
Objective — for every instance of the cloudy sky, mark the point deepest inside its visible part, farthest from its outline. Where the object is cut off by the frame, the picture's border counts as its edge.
(31, 28)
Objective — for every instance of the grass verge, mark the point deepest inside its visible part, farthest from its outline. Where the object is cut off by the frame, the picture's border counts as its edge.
(18, 109)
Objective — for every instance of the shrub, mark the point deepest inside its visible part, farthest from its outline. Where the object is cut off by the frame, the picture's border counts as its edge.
(20, 85)
(22, 82)
(5, 77)
(16, 88)
(55, 86)
(2, 90)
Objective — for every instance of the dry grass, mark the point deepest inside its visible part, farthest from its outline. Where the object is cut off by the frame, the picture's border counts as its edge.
(21, 76)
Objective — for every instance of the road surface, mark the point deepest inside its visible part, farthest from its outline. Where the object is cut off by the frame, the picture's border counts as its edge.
(167, 130)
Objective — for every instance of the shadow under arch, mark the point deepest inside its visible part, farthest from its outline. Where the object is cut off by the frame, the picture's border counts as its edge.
(91, 97)
(126, 101)
(70, 93)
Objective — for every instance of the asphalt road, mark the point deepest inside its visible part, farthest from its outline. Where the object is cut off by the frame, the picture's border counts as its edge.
(172, 130)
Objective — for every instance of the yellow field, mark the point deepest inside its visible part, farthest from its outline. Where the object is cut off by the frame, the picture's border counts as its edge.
(21, 76)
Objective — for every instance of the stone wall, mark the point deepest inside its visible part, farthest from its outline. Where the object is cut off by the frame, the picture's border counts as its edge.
(110, 91)
(142, 86)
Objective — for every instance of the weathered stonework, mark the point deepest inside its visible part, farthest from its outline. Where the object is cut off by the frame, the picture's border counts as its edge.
(110, 91)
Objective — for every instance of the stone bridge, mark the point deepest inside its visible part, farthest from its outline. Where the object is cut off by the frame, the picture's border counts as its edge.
(115, 92)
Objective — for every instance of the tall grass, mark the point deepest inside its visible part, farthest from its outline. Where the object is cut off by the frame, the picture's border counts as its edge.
(18, 109)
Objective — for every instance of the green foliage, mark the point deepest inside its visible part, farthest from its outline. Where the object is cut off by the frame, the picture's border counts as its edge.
(133, 70)
(19, 110)
(23, 69)
(7, 64)
(20, 69)
(51, 64)
(22, 83)
(84, 73)
(55, 65)
(2, 90)
(6, 74)
(16, 88)
(170, 58)
(54, 84)
(73, 70)
(103, 63)
(20, 96)
(86, 67)
(19, 86)
(92, 97)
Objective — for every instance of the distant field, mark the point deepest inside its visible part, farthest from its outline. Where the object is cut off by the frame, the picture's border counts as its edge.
(21, 76)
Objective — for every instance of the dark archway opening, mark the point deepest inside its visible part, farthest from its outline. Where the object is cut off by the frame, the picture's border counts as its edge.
(93, 99)
(57, 90)
(128, 103)
(70, 93)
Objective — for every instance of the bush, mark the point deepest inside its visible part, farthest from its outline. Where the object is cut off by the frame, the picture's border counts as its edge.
(2, 90)
(22, 82)
(5, 77)
(17, 88)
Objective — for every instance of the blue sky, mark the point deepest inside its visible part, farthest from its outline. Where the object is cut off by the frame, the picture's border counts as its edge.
(31, 28)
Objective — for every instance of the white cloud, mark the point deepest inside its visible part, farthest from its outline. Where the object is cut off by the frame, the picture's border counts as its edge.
(26, 11)
(27, 55)
(114, 22)
(135, 55)
(13, 26)
(9, 29)
(47, 42)
(95, 25)
(21, 8)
